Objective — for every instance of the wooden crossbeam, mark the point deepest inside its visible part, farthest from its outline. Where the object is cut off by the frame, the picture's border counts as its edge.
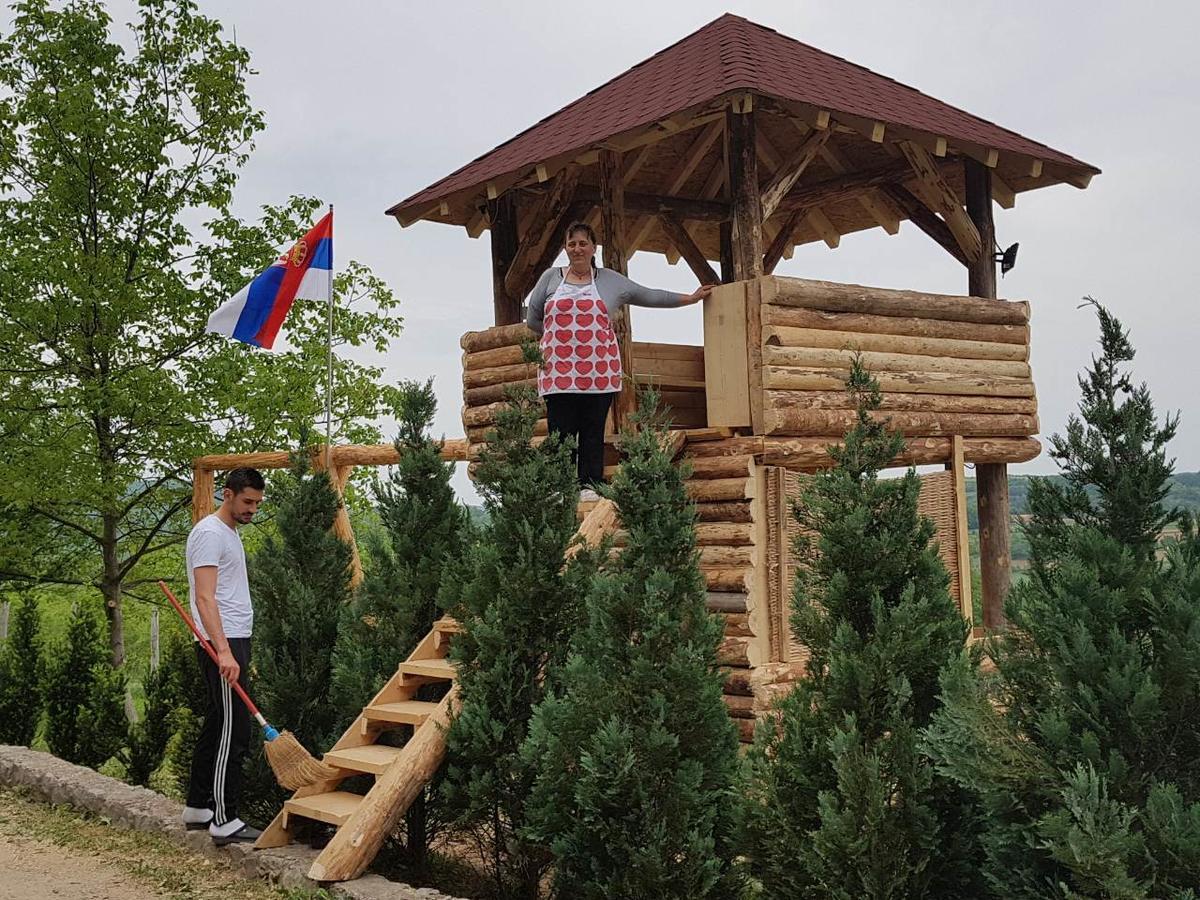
(688, 250)
(790, 170)
(848, 186)
(695, 153)
(937, 194)
(541, 232)
(925, 219)
(783, 239)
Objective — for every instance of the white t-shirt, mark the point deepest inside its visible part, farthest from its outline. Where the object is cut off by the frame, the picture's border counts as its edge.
(213, 543)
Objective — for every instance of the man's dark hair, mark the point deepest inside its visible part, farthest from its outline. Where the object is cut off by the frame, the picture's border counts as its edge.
(244, 477)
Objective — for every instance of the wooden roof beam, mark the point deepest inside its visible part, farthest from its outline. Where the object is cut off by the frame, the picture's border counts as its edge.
(822, 226)
(687, 248)
(542, 231)
(1002, 193)
(925, 219)
(790, 170)
(937, 194)
(784, 238)
(631, 164)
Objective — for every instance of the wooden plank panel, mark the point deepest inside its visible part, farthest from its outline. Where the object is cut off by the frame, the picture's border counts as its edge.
(726, 358)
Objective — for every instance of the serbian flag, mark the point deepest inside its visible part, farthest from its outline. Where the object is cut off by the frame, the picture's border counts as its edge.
(305, 272)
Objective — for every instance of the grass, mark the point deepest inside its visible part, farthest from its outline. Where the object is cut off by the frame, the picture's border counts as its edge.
(151, 860)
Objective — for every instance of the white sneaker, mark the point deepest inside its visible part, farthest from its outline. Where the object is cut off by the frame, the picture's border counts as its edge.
(587, 495)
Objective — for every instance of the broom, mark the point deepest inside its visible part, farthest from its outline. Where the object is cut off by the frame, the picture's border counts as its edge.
(294, 767)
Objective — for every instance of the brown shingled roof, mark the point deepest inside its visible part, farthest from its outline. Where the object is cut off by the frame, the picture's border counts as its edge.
(733, 54)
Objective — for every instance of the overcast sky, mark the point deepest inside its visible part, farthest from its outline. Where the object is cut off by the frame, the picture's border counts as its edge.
(368, 102)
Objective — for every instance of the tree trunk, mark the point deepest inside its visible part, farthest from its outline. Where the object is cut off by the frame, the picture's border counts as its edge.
(110, 587)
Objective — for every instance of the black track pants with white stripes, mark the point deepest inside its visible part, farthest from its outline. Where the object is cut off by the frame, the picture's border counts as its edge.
(216, 780)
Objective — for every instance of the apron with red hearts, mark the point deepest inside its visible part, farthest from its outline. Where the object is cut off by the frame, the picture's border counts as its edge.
(578, 343)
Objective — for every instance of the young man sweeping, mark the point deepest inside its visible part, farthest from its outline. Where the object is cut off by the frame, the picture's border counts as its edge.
(221, 609)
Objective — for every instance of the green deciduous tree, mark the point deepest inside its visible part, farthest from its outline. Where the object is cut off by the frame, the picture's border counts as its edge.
(20, 674)
(118, 159)
(1084, 745)
(840, 801)
(635, 753)
(518, 608)
(85, 718)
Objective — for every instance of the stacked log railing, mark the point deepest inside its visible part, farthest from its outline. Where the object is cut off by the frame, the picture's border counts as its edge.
(945, 365)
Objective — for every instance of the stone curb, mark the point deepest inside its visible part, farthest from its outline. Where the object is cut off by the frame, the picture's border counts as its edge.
(143, 810)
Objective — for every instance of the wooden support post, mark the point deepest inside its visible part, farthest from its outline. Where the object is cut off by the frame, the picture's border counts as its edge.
(991, 480)
(746, 206)
(4, 608)
(962, 536)
(502, 216)
(612, 224)
(202, 493)
(726, 235)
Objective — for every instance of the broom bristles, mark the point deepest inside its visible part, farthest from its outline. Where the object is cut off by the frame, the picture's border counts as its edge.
(295, 767)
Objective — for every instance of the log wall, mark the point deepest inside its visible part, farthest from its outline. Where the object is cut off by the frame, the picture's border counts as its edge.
(779, 352)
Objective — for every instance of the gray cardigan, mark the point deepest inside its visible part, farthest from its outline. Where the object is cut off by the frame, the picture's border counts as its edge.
(614, 289)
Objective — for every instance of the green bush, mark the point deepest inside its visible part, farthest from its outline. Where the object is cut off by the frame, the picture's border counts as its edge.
(518, 609)
(840, 802)
(424, 531)
(20, 681)
(634, 751)
(85, 696)
(1084, 746)
(21, 689)
(174, 685)
(300, 582)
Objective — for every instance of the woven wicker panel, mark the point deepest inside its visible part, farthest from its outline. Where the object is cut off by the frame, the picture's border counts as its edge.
(784, 487)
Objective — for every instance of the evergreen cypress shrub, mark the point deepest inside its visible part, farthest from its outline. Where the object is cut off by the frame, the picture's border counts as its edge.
(635, 753)
(1084, 745)
(839, 800)
(20, 681)
(425, 530)
(166, 691)
(518, 607)
(300, 583)
(85, 695)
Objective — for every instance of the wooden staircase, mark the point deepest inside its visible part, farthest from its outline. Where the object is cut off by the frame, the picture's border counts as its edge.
(400, 773)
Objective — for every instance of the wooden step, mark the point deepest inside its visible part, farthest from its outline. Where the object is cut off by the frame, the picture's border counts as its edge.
(429, 668)
(371, 759)
(334, 807)
(406, 712)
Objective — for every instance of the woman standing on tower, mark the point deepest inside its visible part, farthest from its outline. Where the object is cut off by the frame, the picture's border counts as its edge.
(572, 310)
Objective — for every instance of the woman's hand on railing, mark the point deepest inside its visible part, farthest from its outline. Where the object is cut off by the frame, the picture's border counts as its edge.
(701, 293)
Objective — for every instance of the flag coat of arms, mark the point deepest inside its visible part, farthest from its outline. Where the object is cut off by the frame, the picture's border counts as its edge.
(255, 314)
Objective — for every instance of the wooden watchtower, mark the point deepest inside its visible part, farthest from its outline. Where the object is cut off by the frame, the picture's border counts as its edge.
(732, 147)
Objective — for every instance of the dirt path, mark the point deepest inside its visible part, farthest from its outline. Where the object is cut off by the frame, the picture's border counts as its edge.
(56, 852)
(38, 870)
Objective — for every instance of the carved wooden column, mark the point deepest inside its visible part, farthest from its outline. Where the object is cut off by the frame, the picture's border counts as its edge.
(502, 218)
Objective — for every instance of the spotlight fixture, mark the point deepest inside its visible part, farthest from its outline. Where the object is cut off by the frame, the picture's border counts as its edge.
(1007, 259)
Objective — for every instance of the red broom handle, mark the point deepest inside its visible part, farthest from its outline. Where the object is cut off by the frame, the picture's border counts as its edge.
(208, 649)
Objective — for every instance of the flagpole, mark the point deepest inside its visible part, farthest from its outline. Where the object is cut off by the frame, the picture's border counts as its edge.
(329, 366)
